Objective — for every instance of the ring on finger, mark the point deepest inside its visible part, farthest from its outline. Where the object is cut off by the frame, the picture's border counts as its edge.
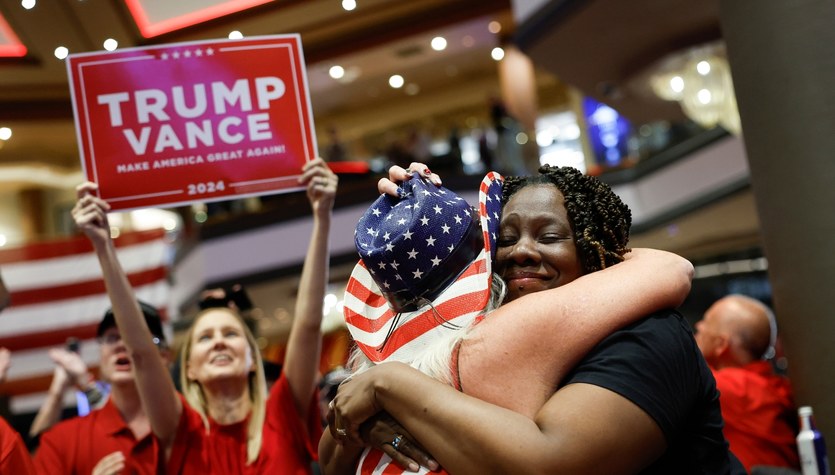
(341, 432)
(396, 441)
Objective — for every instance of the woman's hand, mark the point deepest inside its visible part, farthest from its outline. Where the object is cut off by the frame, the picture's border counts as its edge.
(90, 213)
(384, 433)
(398, 174)
(321, 185)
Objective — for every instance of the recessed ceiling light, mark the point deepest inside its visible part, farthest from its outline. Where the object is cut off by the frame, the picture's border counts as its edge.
(110, 44)
(28, 4)
(5, 133)
(349, 5)
(396, 81)
(235, 35)
(494, 27)
(438, 43)
(336, 72)
(61, 52)
(468, 41)
(497, 53)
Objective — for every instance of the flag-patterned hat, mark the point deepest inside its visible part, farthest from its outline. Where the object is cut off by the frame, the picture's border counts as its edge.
(425, 267)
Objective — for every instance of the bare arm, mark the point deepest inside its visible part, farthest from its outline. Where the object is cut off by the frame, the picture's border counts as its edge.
(545, 334)
(304, 346)
(156, 388)
(583, 429)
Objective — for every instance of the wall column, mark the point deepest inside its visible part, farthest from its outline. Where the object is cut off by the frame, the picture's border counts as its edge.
(781, 59)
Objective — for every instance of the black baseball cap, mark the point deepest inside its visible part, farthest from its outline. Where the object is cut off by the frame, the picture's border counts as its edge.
(152, 318)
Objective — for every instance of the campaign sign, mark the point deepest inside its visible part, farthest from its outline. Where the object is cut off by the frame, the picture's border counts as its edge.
(199, 121)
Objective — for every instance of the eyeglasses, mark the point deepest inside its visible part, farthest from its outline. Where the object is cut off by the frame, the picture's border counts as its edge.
(112, 339)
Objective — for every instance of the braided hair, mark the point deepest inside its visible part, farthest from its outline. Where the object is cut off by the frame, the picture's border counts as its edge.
(599, 219)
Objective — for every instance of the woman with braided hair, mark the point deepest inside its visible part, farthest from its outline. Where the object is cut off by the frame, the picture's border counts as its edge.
(641, 400)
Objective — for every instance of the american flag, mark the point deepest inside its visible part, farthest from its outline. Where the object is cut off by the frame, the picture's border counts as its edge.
(403, 242)
(57, 292)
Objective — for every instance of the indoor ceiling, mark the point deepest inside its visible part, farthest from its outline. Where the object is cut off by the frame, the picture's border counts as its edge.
(601, 47)
(372, 42)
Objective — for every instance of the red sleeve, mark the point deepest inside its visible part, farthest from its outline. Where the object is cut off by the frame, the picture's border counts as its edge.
(14, 458)
(55, 453)
(186, 452)
(304, 433)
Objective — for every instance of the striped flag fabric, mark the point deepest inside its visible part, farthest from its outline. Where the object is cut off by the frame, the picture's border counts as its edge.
(57, 292)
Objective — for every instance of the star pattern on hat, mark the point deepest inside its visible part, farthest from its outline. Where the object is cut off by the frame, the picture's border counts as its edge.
(400, 228)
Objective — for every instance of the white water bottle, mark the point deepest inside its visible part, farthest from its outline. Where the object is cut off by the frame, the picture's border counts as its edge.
(811, 446)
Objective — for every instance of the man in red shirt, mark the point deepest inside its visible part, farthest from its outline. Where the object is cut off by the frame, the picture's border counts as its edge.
(14, 458)
(118, 435)
(735, 336)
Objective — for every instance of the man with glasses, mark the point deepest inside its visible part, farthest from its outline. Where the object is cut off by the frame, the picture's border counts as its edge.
(115, 438)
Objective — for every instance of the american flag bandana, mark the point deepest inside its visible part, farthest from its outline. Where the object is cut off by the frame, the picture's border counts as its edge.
(424, 270)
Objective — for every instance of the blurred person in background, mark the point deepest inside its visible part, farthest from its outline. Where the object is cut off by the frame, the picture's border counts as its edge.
(14, 458)
(116, 437)
(70, 372)
(737, 337)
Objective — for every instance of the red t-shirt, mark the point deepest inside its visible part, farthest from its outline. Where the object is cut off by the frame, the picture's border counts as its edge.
(289, 445)
(76, 445)
(759, 412)
(14, 458)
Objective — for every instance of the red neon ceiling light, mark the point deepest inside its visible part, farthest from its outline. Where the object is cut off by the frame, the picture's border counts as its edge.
(149, 28)
(10, 45)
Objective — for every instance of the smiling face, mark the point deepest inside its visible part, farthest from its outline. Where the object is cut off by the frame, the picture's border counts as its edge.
(218, 348)
(115, 365)
(536, 249)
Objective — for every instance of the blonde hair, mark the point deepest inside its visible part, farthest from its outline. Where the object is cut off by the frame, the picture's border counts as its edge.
(193, 391)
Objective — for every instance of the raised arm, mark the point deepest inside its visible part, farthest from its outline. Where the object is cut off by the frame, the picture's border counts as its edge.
(70, 370)
(304, 347)
(545, 334)
(583, 429)
(153, 381)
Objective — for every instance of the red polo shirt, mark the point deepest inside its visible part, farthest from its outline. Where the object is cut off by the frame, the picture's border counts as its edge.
(76, 445)
(289, 444)
(14, 458)
(760, 416)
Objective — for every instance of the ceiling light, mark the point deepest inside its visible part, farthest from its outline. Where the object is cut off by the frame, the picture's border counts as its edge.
(110, 44)
(396, 81)
(235, 35)
(497, 53)
(5, 133)
(28, 4)
(349, 5)
(494, 27)
(336, 72)
(438, 43)
(468, 41)
(61, 52)
(699, 78)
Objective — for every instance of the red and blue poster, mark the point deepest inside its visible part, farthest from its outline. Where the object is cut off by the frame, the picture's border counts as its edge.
(203, 121)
